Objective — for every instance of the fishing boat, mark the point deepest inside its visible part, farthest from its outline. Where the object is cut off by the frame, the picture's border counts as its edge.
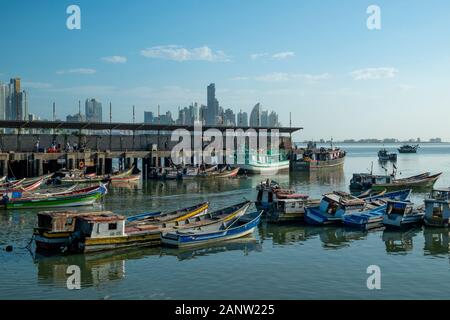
(384, 155)
(19, 188)
(75, 198)
(100, 231)
(231, 229)
(365, 181)
(437, 208)
(334, 206)
(402, 214)
(313, 158)
(126, 179)
(225, 173)
(372, 215)
(177, 215)
(263, 161)
(408, 148)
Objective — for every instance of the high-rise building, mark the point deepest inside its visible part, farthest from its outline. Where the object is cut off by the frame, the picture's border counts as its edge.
(273, 119)
(265, 118)
(93, 110)
(255, 116)
(242, 119)
(16, 107)
(229, 118)
(4, 94)
(76, 118)
(148, 117)
(212, 106)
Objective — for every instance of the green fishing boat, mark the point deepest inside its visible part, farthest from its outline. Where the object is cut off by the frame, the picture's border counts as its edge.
(74, 199)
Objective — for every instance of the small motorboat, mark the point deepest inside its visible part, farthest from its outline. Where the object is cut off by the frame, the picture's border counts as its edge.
(384, 155)
(437, 208)
(232, 229)
(408, 148)
(402, 214)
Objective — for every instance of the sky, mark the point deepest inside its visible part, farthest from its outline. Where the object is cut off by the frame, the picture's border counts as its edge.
(315, 59)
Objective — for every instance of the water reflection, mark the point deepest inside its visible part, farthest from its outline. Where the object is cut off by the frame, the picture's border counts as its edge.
(437, 241)
(398, 241)
(340, 237)
(287, 234)
(100, 268)
(324, 177)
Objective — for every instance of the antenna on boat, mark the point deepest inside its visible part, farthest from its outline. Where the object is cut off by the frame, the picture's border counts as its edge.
(371, 169)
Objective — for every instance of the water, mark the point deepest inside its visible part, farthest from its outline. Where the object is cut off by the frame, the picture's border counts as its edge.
(277, 262)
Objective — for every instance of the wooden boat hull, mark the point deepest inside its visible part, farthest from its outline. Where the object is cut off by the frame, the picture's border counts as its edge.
(317, 164)
(148, 239)
(436, 222)
(178, 240)
(258, 168)
(402, 222)
(57, 201)
(424, 183)
(133, 178)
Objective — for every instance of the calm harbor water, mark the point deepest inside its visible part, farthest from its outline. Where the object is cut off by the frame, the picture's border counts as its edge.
(277, 262)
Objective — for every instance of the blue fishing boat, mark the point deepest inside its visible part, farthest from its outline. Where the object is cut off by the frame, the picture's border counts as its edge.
(334, 206)
(232, 229)
(402, 214)
(373, 213)
(143, 216)
(369, 218)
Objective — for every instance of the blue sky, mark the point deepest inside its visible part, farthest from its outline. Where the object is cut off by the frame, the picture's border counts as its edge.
(316, 59)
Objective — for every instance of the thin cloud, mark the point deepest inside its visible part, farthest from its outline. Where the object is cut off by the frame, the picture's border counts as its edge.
(374, 73)
(36, 85)
(283, 55)
(284, 77)
(255, 56)
(114, 59)
(77, 71)
(178, 53)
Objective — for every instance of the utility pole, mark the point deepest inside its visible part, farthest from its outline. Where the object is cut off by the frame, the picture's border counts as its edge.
(110, 126)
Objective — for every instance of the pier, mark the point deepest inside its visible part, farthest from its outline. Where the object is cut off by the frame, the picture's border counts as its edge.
(24, 149)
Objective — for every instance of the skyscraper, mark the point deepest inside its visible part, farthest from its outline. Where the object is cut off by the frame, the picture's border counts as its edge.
(255, 116)
(4, 93)
(242, 120)
(212, 111)
(93, 110)
(265, 118)
(16, 107)
(229, 118)
(148, 117)
(273, 119)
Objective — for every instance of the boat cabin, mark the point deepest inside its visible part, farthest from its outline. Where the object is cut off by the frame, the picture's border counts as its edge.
(440, 194)
(290, 205)
(399, 207)
(366, 180)
(104, 225)
(57, 222)
(337, 203)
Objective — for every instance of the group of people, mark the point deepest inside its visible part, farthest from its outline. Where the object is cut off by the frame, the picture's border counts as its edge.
(55, 148)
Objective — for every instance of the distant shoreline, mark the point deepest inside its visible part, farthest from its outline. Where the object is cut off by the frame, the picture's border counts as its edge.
(386, 143)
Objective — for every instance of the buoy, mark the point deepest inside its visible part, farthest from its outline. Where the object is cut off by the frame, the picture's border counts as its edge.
(9, 248)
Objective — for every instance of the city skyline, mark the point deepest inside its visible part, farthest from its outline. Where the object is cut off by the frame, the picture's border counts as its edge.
(317, 61)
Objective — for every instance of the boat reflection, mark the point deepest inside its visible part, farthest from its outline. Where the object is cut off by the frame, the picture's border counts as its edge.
(333, 237)
(287, 234)
(246, 245)
(327, 177)
(398, 241)
(99, 268)
(119, 186)
(437, 241)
